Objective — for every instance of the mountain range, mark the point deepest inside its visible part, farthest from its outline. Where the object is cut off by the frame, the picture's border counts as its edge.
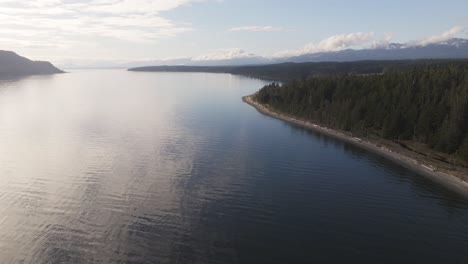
(455, 48)
(450, 49)
(11, 64)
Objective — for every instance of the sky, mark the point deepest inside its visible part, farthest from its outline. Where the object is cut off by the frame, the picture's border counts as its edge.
(87, 32)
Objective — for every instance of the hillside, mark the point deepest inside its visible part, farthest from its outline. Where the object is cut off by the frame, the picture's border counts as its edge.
(11, 64)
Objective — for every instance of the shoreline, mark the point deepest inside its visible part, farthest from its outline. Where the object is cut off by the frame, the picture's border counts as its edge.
(451, 182)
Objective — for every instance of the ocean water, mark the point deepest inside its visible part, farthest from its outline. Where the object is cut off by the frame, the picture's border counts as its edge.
(110, 166)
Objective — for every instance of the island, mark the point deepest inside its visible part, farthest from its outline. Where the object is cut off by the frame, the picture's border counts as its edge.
(11, 64)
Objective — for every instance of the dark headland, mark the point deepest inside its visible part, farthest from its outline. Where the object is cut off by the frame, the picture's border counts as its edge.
(11, 64)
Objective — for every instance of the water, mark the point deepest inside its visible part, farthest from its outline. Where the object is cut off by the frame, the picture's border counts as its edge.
(109, 166)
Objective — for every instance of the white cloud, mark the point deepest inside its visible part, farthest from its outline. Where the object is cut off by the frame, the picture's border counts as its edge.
(33, 27)
(133, 6)
(388, 37)
(225, 54)
(135, 20)
(256, 28)
(384, 42)
(333, 43)
(453, 32)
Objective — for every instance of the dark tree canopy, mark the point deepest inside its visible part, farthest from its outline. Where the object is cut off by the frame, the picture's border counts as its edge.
(425, 103)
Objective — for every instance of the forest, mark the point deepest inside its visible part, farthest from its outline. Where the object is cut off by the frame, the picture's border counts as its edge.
(285, 72)
(424, 102)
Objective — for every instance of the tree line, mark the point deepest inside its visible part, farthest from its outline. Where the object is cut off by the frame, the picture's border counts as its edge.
(421, 102)
(285, 72)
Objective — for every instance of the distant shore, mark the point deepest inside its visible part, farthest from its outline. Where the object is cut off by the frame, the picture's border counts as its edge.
(452, 182)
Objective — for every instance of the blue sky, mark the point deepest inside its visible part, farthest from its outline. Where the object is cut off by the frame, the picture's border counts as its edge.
(90, 31)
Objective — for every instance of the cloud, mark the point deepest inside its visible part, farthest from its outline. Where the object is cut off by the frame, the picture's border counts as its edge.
(63, 22)
(384, 42)
(333, 43)
(225, 54)
(256, 28)
(451, 33)
(388, 37)
(133, 6)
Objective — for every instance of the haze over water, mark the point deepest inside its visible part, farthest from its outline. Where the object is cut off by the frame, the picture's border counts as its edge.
(109, 166)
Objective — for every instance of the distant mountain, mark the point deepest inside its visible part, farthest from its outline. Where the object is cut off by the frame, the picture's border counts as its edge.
(11, 64)
(450, 49)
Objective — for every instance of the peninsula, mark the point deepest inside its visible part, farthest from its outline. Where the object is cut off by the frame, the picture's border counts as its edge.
(417, 117)
(413, 112)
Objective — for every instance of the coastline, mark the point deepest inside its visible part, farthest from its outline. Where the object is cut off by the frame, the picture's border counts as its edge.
(450, 181)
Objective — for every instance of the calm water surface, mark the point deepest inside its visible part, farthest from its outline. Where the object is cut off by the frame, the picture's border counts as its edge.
(109, 166)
